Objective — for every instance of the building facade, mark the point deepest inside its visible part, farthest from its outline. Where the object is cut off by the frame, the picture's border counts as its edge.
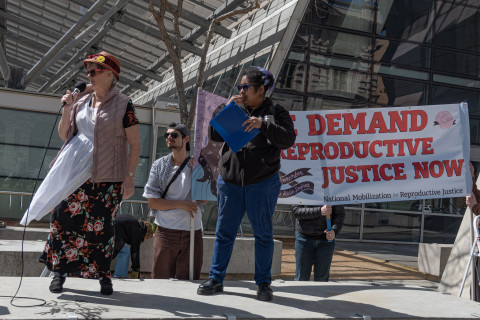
(337, 54)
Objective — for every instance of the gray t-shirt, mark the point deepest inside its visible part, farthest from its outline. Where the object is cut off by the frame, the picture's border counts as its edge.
(160, 175)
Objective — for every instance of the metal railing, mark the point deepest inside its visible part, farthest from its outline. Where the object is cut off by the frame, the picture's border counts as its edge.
(141, 211)
(14, 193)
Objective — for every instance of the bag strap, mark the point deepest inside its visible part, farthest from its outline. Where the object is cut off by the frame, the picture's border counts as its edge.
(175, 176)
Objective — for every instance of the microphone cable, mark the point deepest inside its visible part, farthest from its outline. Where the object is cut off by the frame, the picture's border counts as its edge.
(79, 87)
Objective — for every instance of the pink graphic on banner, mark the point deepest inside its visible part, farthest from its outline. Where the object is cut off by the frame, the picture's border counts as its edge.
(444, 119)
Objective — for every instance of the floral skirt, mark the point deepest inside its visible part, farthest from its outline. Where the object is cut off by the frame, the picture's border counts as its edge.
(81, 237)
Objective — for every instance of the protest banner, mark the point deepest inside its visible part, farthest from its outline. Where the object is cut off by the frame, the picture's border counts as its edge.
(377, 155)
(357, 156)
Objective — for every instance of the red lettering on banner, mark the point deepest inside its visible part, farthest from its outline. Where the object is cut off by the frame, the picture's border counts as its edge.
(356, 145)
(351, 174)
(453, 165)
(390, 144)
(437, 168)
(303, 149)
(316, 149)
(398, 168)
(377, 123)
(349, 123)
(333, 121)
(312, 121)
(414, 114)
(427, 145)
(400, 122)
(293, 117)
(291, 153)
(346, 150)
(373, 152)
(335, 150)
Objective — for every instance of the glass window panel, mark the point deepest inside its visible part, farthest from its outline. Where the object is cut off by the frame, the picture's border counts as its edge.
(441, 228)
(318, 103)
(339, 83)
(454, 62)
(292, 76)
(454, 206)
(457, 26)
(351, 224)
(411, 205)
(352, 14)
(406, 19)
(28, 128)
(340, 63)
(330, 41)
(302, 38)
(288, 101)
(400, 72)
(24, 162)
(391, 226)
(395, 92)
(470, 83)
(15, 207)
(142, 172)
(401, 53)
(162, 149)
(145, 140)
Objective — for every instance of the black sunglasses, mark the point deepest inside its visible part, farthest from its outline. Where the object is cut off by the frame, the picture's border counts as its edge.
(174, 135)
(245, 86)
(93, 72)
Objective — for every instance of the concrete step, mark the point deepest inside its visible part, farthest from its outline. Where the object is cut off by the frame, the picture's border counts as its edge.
(242, 261)
(16, 233)
(166, 299)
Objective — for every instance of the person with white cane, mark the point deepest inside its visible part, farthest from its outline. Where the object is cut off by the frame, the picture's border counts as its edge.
(178, 218)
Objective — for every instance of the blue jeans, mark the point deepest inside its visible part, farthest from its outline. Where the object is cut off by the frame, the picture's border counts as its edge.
(259, 200)
(123, 260)
(316, 253)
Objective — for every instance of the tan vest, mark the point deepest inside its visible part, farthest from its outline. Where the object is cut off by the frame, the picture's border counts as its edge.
(110, 151)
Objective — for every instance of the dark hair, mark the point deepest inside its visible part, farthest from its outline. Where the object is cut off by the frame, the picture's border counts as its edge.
(259, 76)
(182, 129)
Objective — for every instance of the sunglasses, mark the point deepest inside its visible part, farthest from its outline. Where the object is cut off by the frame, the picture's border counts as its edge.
(174, 135)
(245, 86)
(93, 72)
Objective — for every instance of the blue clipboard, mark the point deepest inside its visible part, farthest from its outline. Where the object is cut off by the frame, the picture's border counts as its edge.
(228, 123)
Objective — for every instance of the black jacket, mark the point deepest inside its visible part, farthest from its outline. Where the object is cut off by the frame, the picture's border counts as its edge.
(129, 230)
(258, 160)
(311, 224)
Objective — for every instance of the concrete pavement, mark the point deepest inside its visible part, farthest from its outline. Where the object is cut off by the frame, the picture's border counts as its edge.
(167, 299)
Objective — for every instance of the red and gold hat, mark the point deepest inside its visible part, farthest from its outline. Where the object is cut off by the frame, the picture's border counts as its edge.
(106, 60)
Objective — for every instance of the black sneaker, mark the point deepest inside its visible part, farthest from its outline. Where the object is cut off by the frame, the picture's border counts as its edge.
(56, 286)
(210, 287)
(264, 292)
(106, 287)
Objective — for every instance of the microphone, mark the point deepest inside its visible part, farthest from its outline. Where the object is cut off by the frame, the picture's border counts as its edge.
(79, 88)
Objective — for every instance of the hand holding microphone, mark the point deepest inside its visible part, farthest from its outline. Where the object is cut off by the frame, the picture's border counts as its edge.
(70, 97)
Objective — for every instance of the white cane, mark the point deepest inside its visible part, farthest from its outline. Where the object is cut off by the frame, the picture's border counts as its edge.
(192, 247)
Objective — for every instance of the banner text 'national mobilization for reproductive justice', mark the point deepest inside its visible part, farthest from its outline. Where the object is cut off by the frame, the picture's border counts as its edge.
(357, 156)
(377, 155)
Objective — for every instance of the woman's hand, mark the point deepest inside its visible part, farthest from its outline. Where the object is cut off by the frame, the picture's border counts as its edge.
(330, 234)
(239, 99)
(128, 187)
(68, 98)
(251, 123)
(471, 201)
